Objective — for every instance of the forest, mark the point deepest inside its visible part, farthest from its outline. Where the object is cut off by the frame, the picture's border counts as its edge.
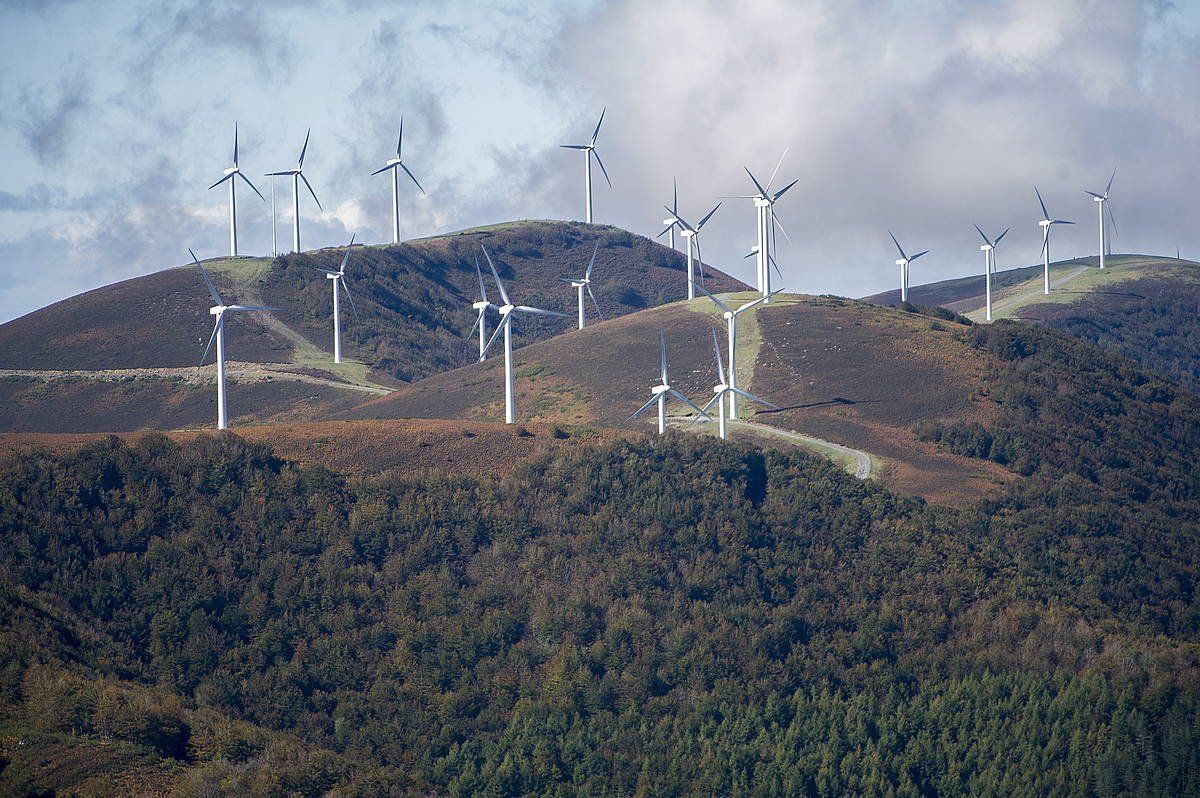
(655, 617)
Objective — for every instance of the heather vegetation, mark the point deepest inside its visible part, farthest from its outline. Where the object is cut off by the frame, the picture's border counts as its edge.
(657, 617)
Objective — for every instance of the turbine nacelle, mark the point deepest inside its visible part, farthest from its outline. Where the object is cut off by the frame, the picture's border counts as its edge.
(233, 170)
(482, 304)
(659, 389)
(217, 310)
(506, 309)
(985, 247)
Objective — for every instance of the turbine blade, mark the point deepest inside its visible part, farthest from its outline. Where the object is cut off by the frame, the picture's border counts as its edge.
(588, 274)
(478, 320)
(1045, 213)
(704, 410)
(383, 169)
(346, 257)
(717, 352)
(410, 174)
(678, 219)
(323, 270)
(595, 304)
(1108, 188)
(986, 240)
(761, 191)
(222, 180)
(235, 145)
(304, 149)
(211, 339)
(482, 287)
(1093, 193)
(754, 398)
(539, 312)
(666, 230)
(1000, 238)
(674, 195)
(771, 258)
(596, 132)
(776, 170)
(784, 190)
(776, 223)
(602, 169)
(662, 351)
(346, 288)
(211, 288)
(919, 254)
(1112, 219)
(500, 285)
(689, 403)
(310, 190)
(256, 191)
(496, 333)
(262, 308)
(575, 146)
(718, 302)
(1060, 221)
(708, 216)
(400, 138)
(899, 248)
(644, 408)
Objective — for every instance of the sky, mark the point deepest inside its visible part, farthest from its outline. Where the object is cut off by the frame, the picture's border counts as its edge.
(923, 117)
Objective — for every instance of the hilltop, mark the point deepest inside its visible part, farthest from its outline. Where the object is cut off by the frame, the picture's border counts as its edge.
(1143, 307)
(124, 356)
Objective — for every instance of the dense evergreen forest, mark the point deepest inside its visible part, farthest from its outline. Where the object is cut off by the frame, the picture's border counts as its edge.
(658, 617)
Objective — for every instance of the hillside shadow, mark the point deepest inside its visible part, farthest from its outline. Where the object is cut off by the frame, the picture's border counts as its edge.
(834, 402)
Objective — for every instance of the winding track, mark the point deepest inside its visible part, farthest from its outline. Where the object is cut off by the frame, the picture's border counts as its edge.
(862, 460)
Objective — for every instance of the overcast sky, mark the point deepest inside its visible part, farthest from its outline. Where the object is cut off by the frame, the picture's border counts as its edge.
(922, 117)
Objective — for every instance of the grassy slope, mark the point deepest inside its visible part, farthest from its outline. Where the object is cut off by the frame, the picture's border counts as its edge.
(845, 371)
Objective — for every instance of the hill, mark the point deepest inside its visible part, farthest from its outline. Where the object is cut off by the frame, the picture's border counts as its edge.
(131, 348)
(1142, 307)
(659, 616)
(841, 371)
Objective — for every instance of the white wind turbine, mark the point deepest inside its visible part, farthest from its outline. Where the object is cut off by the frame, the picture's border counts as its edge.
(396, 164)
(507, 311)
(218, 335)
(589, 150)
(1046, 223)
(662, 390)
(767, 222)
(1101, 201)
(723, 389)
(903, 262)
(691, 235)
(231, 174)
(731, 317)
(674, 209)
(585, 283)
(297, 175)
(989, 265)
(481, 305)
(339, 277)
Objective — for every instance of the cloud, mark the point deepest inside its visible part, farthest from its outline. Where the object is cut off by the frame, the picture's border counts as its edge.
(48, 119)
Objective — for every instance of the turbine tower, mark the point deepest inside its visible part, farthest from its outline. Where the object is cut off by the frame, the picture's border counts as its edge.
(230, 174)
(585, 283)
(218, 335)
(481, 305)
(674, 209)
(691, 235)
(661, 391)
(767, 222)
(722, 389)
(1101, 201)
(507, 311)
(297, 175)
(1046, 223)
(989, 265)
(589, 150)
(395, 164)
(903, 262)
(731, 316)
(339, 277)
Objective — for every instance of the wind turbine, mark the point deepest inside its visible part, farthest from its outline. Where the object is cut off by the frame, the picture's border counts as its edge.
(230, 174)
(903, 262)
(481, 305)
(339, 277)
(297, 175)
(989, 264)
(730, 315)
(589, 150)
(395, 164)
(764, 204)
(661, 391)
(274, 227)
(723, 389)
(1046, 223)
(691, 235)
(218, 334)
(507, 311)
(583, 283)
(674, 209)
(1101, 200)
